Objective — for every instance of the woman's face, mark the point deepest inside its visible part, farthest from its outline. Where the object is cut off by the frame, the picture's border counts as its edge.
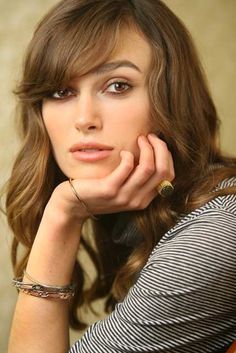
(98, 115)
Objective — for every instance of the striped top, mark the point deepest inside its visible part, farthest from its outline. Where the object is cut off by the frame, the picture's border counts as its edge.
(184, 300)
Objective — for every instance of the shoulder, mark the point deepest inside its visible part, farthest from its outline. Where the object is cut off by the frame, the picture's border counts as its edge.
(199, 252)
(226, 202)
(208, 232)
(221, 208)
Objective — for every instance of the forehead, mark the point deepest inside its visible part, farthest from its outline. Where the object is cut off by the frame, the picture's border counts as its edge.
(76, 57)
(133, 46)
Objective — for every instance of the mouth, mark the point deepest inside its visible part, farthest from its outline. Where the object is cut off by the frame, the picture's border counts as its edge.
(89, 146)
(90, 152)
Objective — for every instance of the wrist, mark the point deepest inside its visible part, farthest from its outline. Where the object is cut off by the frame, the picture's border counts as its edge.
(62, 219)
(54, 250)
(58, 228)
(62, 202)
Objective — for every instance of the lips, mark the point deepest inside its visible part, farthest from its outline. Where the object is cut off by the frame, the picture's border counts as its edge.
(90, 151)
(89, 147)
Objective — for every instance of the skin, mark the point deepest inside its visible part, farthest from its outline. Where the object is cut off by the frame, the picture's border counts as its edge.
(109, 106)
(124, 181)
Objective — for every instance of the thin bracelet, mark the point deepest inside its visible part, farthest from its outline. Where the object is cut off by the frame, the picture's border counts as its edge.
(81, 201)
(44, 294)
(18, 283)
(42, 291)
(27, 275)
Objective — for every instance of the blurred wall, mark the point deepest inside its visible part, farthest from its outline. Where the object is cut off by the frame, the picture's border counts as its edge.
(212, 24)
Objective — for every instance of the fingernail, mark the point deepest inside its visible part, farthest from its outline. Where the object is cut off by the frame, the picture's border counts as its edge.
(142, 138)
(152, 135)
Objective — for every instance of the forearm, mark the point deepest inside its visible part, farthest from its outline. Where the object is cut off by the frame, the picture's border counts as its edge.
(41, 325)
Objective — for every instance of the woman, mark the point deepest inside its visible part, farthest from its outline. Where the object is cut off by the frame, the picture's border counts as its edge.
(114, 107)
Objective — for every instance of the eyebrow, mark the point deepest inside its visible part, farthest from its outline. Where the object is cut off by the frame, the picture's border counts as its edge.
(113, 65)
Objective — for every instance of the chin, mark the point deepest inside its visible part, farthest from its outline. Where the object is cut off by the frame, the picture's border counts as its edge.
(89, 172)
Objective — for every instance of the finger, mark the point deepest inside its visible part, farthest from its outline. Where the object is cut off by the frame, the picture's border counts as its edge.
(118, 176)
(146, 160)
(163, 159)
(131, 194)
(164, 171)
(107, 187)
(146, 166)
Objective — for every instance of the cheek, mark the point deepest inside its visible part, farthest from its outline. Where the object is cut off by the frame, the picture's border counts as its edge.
(134, 120)
(131, 114)
(54, 126)
(47, 119)
(137, 118)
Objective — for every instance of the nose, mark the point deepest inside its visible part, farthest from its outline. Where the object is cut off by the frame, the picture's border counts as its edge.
(87, 115)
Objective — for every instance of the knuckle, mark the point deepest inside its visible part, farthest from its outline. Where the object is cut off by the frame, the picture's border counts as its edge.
(164, 173)
(144, 204)
(148, 170)
(129, 163)
(135, 204)
(141, 203)
(108, 193)
(163, 144)
(129, 158)
(172, 175)
(123, 200)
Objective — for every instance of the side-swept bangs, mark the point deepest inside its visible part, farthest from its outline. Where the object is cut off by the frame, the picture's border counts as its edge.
(70, 41)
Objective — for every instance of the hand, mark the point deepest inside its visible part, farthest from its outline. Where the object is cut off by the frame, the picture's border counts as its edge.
(128, 187)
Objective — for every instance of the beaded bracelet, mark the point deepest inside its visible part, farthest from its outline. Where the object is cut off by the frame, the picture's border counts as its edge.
(44, 291)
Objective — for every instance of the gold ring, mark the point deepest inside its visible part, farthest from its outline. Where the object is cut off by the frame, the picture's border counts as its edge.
(165, 188)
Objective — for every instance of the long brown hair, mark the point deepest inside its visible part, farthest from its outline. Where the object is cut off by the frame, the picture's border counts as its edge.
(72, 39)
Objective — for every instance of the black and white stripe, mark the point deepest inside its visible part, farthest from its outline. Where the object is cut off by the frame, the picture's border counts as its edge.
(184, 300)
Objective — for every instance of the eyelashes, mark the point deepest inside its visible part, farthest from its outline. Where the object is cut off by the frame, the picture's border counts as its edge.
(118, 87)
(115, 87)
(62, 93)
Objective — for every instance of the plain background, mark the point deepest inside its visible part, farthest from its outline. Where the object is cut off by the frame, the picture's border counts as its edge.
(212, 24)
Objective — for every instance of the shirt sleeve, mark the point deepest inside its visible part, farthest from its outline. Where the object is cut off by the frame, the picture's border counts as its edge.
(184, 299)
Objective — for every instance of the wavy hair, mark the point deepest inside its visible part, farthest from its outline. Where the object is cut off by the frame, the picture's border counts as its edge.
(75, 37)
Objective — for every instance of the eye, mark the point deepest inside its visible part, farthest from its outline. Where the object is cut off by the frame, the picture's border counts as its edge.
(63, 93)
(118, 87)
